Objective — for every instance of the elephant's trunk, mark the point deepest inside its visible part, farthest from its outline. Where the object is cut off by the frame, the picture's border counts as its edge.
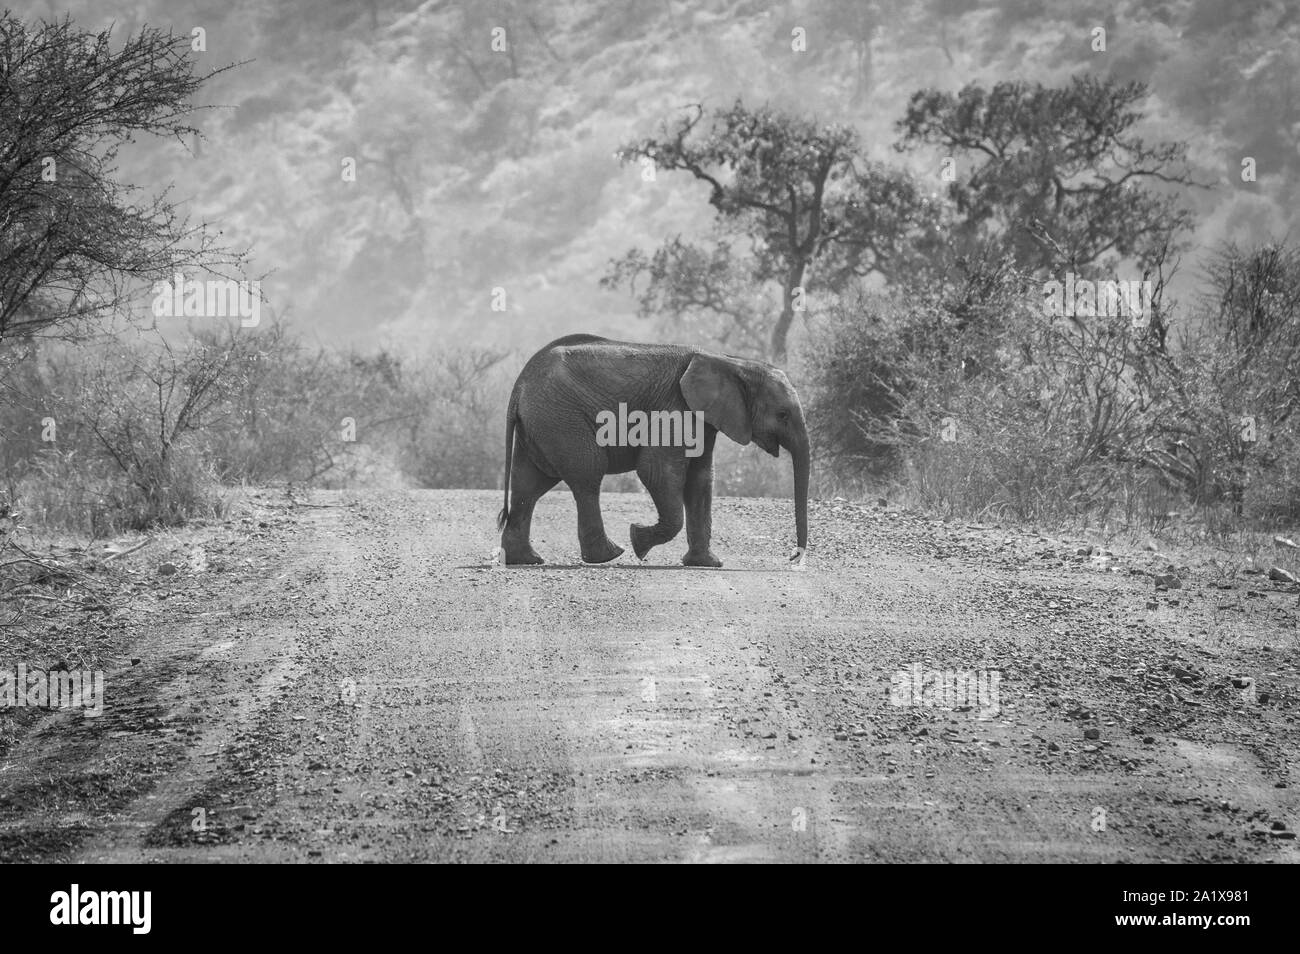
(800, 453)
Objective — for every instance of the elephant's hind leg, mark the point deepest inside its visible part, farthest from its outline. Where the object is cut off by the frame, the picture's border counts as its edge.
(527, 485)
(664, 477)
(596, 546)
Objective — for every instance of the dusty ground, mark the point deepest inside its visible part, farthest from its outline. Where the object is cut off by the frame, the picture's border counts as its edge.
(349, 680)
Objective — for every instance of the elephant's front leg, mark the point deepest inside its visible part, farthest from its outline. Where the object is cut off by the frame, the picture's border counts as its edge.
(663, 472)
(596, 546)
(699, 507)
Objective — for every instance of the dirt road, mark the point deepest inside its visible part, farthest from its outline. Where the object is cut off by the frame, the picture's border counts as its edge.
(345, 678)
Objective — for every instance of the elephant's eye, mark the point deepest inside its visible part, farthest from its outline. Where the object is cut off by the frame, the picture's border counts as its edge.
(783, 415)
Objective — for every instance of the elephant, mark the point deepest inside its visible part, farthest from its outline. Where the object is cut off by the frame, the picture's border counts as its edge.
(573, 387)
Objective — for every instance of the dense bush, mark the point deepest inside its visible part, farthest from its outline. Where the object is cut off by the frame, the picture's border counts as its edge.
(146, 431)
(976, 402)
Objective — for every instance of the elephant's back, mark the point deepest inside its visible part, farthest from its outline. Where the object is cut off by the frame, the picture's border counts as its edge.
(598, 368)
(578, 348)
(596, 348)
(574, 339)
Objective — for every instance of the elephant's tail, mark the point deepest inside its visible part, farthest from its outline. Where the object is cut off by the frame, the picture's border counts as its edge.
(511, 411)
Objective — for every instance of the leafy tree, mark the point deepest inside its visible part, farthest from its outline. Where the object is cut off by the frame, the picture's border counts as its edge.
(696, 286)
(1057, 175)
(801, 195)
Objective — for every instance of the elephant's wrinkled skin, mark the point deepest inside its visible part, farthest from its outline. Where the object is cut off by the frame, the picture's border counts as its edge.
(551, 428)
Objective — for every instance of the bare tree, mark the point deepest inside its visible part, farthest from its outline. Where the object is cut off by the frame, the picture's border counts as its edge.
(75, 243)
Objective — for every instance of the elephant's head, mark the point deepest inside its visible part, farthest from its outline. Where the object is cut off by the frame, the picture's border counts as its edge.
(752, 401)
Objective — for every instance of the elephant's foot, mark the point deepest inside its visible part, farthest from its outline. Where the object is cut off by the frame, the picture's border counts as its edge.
(706, 558)
(641, 540)
(645, 539)
(525, 556)
(601, 554)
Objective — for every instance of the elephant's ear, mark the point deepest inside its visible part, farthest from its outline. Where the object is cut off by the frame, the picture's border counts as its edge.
(713, 385)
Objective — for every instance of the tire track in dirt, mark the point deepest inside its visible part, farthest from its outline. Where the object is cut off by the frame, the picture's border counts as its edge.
(379, 692)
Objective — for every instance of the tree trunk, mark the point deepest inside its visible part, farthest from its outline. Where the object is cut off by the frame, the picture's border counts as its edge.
(782, 330)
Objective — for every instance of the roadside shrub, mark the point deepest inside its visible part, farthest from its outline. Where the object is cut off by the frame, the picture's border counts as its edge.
(453, 433)
(147, 429)
(977, 403)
